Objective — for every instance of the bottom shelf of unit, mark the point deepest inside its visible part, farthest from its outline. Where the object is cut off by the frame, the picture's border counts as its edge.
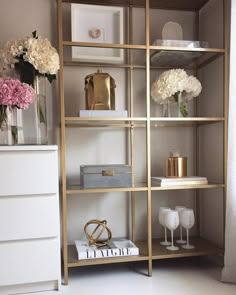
(202, 248)
(73, 261)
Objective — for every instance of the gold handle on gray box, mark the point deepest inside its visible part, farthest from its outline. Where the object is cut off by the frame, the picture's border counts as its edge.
(107, 172)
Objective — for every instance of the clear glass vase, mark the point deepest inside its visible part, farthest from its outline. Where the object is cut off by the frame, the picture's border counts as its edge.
(166, 109)
(35, 118)
(11, 132)
(40, 110)
(182, 106)
(178, 107)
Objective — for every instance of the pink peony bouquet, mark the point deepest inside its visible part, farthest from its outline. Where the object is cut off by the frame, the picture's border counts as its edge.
(15, 94)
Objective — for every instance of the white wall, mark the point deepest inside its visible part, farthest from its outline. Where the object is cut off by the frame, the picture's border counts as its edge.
(87, 146)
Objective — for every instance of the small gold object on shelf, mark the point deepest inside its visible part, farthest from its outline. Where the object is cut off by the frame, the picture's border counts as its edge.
(94, 236)
(100, 91)
(176, 166)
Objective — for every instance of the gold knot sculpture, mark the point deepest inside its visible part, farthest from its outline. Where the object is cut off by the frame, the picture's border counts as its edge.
(94, 236)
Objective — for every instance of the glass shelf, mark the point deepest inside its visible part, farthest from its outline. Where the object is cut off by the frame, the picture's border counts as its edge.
(75, 189)
(171, 57)
(160, 56)
(193, 5)
(202, 248)
(98, 122)
(71, 63)
(184, 122)
(186, 187)
(139, 187)
(132, 122)
(73, 261)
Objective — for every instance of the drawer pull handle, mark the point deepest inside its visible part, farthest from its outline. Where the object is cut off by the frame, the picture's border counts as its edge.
(107, 172)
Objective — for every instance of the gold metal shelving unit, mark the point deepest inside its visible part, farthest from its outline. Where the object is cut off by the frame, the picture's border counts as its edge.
(150, 248)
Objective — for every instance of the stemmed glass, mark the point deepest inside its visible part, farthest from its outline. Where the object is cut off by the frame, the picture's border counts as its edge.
(180, 241)
(161, 216)
(187, 221)
(172, 222)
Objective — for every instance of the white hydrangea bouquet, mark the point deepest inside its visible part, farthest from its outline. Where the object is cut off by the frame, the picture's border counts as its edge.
(31, 56)
(175, 86)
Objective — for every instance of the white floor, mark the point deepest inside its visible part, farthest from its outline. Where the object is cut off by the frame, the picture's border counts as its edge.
(170, 277)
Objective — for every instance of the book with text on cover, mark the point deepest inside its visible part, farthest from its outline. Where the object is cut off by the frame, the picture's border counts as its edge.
(116, 247)
(174, 181)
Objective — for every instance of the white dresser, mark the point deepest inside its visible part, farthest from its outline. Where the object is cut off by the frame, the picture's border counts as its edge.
(29, 219)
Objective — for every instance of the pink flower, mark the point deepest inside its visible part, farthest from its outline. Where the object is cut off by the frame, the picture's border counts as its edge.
(25, 94)
(15, 93)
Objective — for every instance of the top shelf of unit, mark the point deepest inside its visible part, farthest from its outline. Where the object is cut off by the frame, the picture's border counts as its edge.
(188, 5)
(160, 56)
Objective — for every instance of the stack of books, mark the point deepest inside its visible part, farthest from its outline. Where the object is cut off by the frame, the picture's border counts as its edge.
(175, 181)
(114, 248)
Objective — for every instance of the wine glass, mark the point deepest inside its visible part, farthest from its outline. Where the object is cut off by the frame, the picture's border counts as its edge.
(161, 215)
(180, 241)
(187, 221)
(172, 222)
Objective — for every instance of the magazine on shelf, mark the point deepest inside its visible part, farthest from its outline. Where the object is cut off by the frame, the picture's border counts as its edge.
(116, 247)
(103, 113)
(173, 181)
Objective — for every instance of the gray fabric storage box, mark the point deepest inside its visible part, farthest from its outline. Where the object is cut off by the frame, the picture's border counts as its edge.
(92, 176)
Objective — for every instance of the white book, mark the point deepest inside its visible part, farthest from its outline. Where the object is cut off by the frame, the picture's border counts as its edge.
(180, 183)
(103, 113)
(173, 181)
(116, 247)
(178, 179)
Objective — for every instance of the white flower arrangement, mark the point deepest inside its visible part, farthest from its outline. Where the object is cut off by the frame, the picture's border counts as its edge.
(31, 56)
(173, 83)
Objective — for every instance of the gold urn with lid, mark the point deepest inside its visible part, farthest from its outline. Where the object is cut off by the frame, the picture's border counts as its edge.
(100, 91)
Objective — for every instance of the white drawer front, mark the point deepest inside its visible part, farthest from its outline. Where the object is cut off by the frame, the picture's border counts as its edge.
(29, 261)
(28, 172)
(27, 217)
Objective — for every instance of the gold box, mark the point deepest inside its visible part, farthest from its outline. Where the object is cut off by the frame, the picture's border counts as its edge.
(100, 91)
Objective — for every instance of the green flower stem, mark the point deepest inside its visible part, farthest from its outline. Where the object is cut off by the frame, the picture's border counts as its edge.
(40, 108)
(14, 133)
(42, 118)
(183, 109)
(182, 105)
(3, 114)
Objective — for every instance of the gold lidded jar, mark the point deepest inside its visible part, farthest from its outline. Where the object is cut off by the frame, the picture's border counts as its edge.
(176, 167)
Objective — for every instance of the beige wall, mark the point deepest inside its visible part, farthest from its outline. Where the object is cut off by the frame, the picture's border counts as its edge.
(19, 19)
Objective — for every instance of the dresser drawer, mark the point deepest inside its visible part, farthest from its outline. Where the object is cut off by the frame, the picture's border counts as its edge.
(23, 217)
(29, 261)
(28, 172)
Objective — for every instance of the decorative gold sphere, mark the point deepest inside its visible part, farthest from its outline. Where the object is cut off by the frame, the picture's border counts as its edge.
(94, 236)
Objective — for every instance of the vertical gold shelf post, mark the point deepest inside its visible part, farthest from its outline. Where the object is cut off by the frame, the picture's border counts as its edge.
(197, 156)
(62, 142)
(131, 109)
(226, 32)
(148, 138)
